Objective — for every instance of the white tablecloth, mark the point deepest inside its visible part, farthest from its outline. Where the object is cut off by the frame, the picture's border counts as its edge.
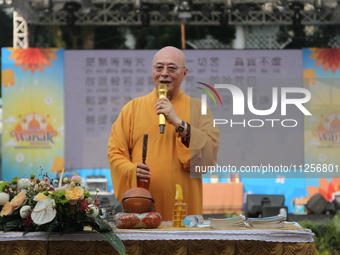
(268, 235)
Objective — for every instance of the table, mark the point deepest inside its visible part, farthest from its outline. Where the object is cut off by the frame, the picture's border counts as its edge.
(165, 240)
(222, 197)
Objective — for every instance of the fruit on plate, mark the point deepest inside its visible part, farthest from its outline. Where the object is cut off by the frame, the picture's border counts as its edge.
(137, 220)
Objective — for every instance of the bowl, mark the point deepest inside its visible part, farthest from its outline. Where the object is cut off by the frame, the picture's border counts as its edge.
(138, 200)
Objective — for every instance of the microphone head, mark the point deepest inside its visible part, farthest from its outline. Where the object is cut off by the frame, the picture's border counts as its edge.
(162, 89)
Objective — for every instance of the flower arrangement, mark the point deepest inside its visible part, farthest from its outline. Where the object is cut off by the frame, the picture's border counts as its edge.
(42, 204)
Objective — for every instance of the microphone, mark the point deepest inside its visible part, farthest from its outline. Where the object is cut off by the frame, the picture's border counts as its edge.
(162, 92)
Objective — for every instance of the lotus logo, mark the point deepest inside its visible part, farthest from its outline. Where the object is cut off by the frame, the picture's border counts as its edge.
(204, 97)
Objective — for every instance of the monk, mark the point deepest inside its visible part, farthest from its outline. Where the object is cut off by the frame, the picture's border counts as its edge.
(189, 139)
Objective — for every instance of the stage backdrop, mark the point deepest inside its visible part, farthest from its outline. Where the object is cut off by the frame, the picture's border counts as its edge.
(33, 111)
(99, 82)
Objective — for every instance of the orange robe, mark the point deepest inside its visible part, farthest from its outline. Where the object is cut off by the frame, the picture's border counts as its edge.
(168, 158)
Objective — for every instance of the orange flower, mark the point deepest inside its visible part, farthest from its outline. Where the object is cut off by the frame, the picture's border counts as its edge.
(7, 209)
(74, 193)
(19, 199)
(33, 58)
(328, 58)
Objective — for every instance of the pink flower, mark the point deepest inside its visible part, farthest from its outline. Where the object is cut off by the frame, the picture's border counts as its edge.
(76, 179)
(65, 187)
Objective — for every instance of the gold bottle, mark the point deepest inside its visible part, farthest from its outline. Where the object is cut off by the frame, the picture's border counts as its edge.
(180, 208)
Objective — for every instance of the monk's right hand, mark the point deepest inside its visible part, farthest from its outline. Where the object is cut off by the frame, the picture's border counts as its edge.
(143, 172)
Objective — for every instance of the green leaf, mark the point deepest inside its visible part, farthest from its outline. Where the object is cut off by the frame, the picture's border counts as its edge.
(3, 186)
(103, 228)
(97, 224)
(115, 241)
(10, 223)
(50, 227)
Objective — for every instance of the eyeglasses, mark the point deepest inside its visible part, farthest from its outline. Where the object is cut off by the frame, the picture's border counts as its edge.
(169, 69)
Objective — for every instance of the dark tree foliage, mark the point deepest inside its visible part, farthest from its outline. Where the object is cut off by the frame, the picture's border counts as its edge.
(224, 34)
(45, 36)
(6, 32)
(109, 37)
(6, 29)
(321, 37)
(324, 37)
(156, 37)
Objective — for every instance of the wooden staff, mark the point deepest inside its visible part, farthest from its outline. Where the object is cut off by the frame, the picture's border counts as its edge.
(142, 183)
(145, 147)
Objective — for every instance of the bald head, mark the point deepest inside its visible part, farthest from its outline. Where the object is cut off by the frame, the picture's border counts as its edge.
(176, 54)
(169, 57)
